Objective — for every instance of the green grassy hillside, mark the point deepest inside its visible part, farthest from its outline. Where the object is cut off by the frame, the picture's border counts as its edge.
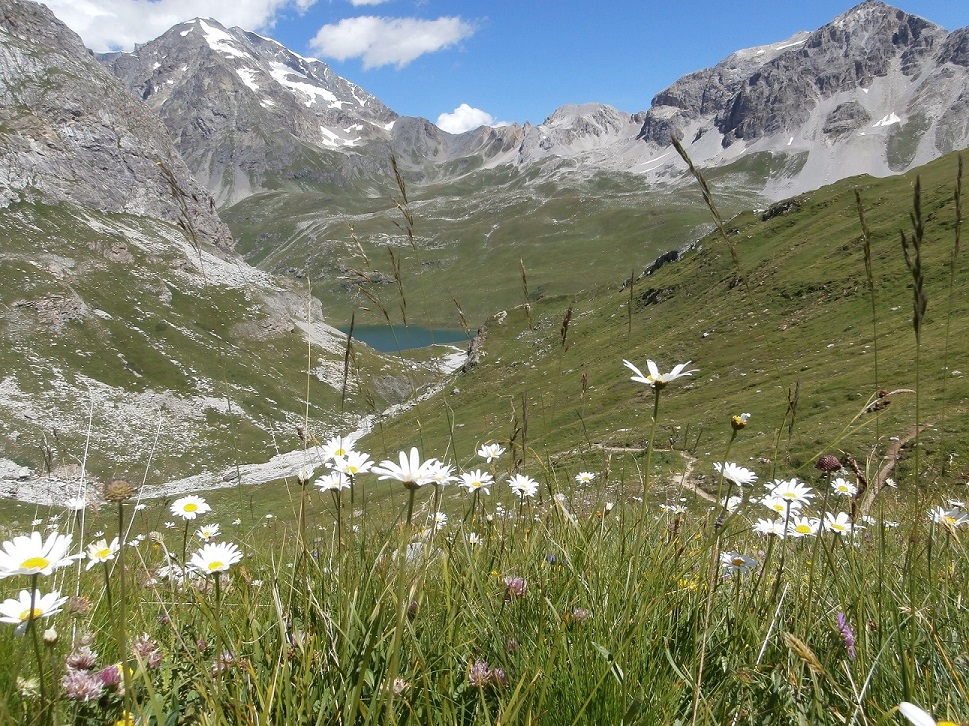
(172, 360)
(469, 237)
(795, 317)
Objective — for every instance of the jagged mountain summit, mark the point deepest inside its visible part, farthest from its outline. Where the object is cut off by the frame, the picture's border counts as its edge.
(243, 109)
(876, 91)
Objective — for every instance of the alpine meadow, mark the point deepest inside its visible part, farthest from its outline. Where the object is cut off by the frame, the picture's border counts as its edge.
(311, 413)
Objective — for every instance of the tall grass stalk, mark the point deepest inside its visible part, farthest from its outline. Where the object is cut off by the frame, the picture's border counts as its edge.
(912, 250)
(870, 283)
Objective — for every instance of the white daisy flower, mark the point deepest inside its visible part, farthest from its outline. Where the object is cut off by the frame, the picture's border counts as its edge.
(523, 486)
(30, 606)
(490, 452)
(207, 532)
(844, 487)
(410, 472)
(739, 475)
(477, 480)
(190, 507)
(33, 555)
(656, 379)
(734, 562)
(215, 557)
(101, 551)
(352, 463)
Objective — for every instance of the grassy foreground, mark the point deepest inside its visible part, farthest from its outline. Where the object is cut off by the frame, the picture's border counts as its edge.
(794, 589)
(525, 610)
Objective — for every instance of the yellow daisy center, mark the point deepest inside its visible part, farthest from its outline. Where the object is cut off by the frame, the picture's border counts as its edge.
(214, 566)
(737, 562)
(803, 528)
(104, 554)
(191, 507)
(29, 614)
(35, 563)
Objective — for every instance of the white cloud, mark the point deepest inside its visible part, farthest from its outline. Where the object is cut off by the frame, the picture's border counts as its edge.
(466, 118)
(358, 3)
(388, 41)
(118, 24)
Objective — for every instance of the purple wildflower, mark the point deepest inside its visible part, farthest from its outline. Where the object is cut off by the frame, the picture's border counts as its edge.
(112, 678)
(847, 634)
(515, 587)
(81, 685)
(147, 651)
(480, 674)
(82, 659)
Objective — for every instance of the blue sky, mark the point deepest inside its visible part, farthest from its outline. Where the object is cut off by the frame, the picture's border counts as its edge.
(496, 61)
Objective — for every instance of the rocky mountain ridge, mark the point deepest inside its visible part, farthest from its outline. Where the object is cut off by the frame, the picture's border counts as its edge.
(241, 108)
(876, 91)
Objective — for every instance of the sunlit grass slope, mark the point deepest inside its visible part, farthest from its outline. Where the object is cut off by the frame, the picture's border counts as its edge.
(791, 333)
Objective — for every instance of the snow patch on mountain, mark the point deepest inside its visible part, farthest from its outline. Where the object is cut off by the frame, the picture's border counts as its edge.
(220, 41)
(248, 75)
(312, 93)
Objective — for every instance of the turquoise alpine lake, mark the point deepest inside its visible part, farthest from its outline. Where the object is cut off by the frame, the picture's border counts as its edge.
(392, 338)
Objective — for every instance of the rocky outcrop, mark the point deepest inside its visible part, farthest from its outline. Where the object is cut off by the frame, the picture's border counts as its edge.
(868, 42)
(70, 132)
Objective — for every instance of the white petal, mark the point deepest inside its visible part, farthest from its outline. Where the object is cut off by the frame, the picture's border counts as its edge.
(915, 714)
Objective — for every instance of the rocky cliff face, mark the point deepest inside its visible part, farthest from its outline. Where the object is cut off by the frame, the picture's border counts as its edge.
(125, 337)
(70, 132)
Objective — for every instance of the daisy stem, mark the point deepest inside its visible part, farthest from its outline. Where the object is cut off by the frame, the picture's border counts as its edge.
(32, 626)
(812, 580)
(184, 544)
(474, 504)
(780, 565)
(437, 499)
(650, 445)
(302, 517)
(736, 602)
(410, 503)
(763, 571)
(123, 651)
(723, 467)
(339, 519)
(107, 593)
